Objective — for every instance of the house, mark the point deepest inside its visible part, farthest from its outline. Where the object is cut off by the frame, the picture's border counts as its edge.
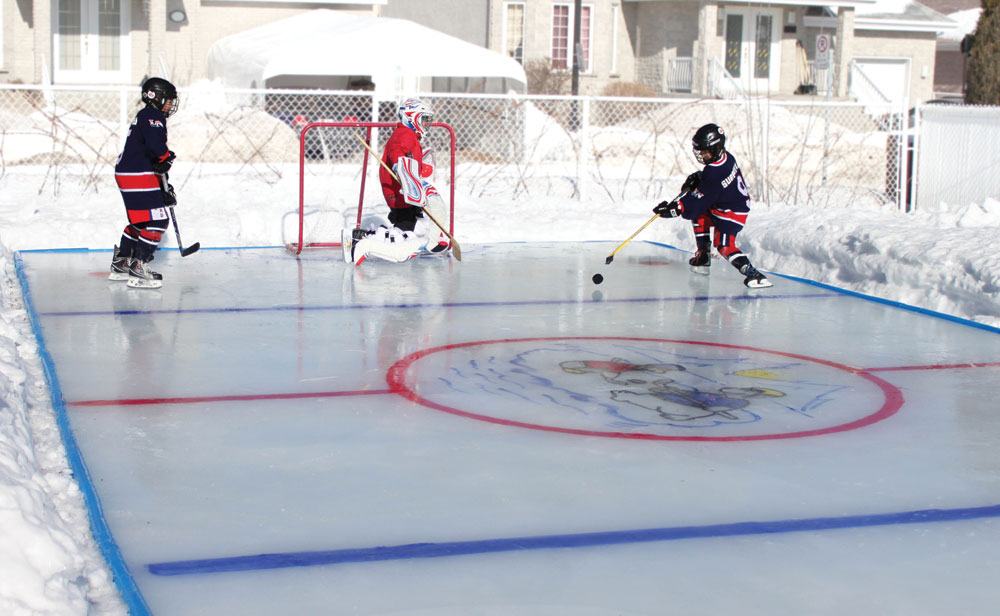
(698, 46)
(879, 48)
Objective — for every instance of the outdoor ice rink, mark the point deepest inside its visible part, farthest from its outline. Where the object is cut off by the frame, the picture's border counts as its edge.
(272, 435)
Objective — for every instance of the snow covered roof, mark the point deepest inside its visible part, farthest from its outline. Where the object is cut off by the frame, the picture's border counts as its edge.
(329, 42)
(966, 21)
(900, 15)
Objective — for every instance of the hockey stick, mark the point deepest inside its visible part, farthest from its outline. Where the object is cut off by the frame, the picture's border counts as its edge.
(611, 257)
(193, 248)
(455, 248)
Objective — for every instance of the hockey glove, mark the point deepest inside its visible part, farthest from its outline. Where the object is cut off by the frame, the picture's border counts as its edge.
(169, 196)
(691, 182)
(668, 209)
(163, 163)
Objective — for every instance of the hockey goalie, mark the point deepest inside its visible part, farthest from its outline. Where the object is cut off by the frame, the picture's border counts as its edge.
(408, 192)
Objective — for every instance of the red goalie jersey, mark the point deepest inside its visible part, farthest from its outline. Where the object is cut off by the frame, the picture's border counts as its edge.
(414, 118)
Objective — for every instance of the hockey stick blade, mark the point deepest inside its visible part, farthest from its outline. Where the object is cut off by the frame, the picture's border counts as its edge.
(190, 250)
(609, 259)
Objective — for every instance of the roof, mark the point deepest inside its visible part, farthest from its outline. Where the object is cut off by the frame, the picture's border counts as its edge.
(890, 16)
(329, 42)
(901, 15)
(966, 20)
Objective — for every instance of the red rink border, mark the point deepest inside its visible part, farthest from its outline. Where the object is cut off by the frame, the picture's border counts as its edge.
(396, 377)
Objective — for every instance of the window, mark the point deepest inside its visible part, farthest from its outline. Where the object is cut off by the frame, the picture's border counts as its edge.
(562, 34)
(513, 32)
(90, 41)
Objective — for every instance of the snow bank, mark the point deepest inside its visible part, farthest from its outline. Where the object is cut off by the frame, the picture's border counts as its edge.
(48, 561)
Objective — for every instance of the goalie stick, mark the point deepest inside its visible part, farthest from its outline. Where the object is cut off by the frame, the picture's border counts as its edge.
(455, 248)
(193, 248)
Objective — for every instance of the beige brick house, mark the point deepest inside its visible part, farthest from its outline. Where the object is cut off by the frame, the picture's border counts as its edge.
(704, 47)
(697, 45)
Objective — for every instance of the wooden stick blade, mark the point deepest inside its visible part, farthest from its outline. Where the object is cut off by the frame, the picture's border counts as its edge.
(456, 250)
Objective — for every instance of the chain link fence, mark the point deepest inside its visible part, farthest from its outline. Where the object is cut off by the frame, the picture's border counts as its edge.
(509, 147)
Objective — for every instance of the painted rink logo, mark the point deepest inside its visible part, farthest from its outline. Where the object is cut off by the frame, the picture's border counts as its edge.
(644, 388)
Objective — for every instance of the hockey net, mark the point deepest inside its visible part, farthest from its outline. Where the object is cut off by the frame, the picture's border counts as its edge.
(338, 177)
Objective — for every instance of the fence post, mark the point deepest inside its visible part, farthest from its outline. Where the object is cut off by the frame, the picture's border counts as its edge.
(915, 153)
(583, 159)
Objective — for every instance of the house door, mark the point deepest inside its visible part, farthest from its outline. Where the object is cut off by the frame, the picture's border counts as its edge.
(752, 52)
(90, 41)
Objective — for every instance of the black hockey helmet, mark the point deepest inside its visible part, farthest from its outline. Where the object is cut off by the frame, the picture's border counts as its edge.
(157, 92)
(709, 138)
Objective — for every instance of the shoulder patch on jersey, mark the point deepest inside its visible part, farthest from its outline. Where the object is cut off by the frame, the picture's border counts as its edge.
(155, 123)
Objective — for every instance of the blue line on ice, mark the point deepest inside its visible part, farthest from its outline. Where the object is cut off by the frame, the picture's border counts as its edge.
(256, 562)
(529, 302)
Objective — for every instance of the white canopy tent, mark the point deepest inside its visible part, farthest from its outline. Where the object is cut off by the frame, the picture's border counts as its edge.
(398, 56)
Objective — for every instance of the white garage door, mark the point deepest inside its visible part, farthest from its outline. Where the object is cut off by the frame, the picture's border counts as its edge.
(880, 81)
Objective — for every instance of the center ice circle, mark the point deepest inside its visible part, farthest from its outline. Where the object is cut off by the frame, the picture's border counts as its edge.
(644, 388)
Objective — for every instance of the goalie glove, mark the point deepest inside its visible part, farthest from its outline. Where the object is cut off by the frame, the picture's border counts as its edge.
(668, 209)
(692, 182)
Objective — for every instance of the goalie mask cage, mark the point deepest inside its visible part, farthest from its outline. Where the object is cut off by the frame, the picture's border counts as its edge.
(330, 155)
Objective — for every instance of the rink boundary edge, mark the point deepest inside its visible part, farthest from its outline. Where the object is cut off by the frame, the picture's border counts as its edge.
(870, 298)
(127, 588)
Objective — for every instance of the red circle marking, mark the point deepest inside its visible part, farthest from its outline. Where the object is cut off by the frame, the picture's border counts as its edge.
(396, 378)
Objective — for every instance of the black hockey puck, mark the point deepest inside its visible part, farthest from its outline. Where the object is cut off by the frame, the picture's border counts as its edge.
(598, 279)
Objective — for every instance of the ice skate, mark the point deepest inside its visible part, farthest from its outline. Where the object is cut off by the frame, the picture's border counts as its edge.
(119, 267)
(141, 277)
(700, 262)
(754, 279)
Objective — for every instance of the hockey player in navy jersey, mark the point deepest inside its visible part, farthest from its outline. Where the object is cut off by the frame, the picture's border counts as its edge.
(141, 174)
(716, 197)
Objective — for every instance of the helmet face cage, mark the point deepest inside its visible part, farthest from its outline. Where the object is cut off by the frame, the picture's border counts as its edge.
(708, 143)
(415, 115)
(158, 93)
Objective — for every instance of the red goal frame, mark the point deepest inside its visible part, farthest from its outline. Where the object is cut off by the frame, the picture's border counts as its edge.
(367, 126)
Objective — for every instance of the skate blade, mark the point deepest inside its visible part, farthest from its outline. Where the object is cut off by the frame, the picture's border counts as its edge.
(759, 284)
(139, 283)
(702, 270)
(118, 276)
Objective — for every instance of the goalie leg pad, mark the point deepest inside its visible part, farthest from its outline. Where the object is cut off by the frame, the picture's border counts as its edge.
(396, 248)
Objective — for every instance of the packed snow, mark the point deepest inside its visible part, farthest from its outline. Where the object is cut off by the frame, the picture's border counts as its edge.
(48, 561)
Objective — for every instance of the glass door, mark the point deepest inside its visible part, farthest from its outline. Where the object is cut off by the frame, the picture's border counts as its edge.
(90, 41)
(752, 48)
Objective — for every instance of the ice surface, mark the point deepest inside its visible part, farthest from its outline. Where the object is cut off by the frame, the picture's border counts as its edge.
(261, 404)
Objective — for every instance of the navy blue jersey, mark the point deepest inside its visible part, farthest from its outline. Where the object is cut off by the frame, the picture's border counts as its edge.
(722, 193)
(146, 142)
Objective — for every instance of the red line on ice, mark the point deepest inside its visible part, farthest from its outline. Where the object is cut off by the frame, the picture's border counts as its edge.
(247, 397)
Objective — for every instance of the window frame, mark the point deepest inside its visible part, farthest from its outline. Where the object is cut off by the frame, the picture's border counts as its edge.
(505, 34)
(588, 60)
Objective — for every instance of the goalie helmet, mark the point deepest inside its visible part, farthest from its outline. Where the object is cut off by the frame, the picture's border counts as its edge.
(416, 115)
(711, 139)
(157, 92)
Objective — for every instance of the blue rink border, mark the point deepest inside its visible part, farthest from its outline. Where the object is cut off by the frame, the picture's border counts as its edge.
(871, 298)
(123, 579)
(411, 551)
